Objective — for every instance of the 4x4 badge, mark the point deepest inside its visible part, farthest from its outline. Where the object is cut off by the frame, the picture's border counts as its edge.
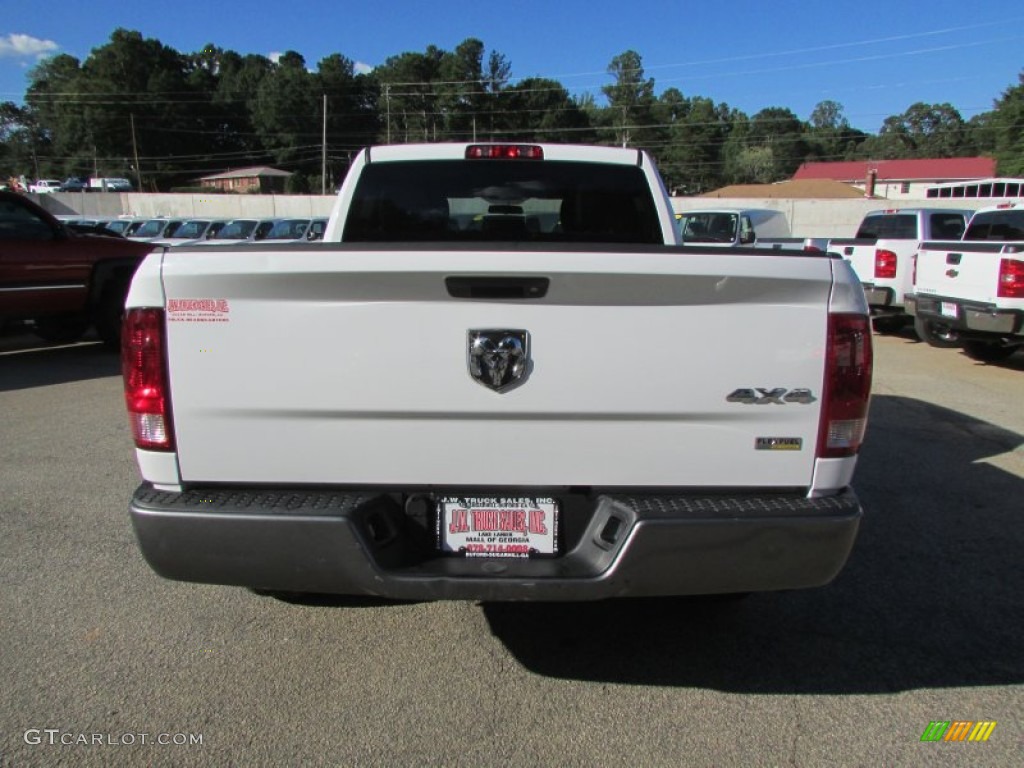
(498, 359)
(778, 395)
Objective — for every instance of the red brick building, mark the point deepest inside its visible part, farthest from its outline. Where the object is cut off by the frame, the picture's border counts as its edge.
(258, 180)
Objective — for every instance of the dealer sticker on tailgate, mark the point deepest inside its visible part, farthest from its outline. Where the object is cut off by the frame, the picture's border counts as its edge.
(493, 526)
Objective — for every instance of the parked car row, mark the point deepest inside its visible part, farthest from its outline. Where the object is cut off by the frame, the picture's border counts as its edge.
(184, 231)
(80, 184)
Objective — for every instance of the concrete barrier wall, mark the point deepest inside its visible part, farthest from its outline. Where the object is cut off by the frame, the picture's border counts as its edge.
(807, 218)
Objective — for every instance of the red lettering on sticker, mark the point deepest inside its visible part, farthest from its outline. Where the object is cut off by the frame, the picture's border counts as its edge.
(537, 521)
(459, 522)
(198, 305)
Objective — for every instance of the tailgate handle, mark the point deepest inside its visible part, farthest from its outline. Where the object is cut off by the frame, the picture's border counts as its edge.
(953, 258)
(848, 250)
(497, 287)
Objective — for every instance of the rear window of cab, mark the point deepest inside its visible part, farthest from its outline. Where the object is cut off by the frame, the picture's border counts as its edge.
(502, 201)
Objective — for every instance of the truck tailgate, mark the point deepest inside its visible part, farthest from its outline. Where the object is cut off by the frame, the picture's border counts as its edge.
(329, 365)
(860, 252)
(961, 269)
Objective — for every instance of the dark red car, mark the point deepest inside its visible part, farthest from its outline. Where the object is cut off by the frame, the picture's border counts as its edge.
(63, 280)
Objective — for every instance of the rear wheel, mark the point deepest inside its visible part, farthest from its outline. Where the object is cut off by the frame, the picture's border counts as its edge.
(988, 351)
(61, 328)
(109, 312)
(936, 334)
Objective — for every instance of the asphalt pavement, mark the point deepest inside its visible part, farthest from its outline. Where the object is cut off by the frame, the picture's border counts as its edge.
(103, 663)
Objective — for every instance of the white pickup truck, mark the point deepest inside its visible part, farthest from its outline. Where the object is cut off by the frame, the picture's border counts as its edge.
(753, 227)
(882, 254)
(971, 292)
(500, 378)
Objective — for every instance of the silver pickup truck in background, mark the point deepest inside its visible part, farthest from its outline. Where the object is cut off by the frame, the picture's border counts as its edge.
(970, 293)
(752, 227)
(882, 254)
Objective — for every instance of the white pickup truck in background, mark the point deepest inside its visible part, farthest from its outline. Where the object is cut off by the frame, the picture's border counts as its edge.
(500, 378)
(882, 254)
(971, 292)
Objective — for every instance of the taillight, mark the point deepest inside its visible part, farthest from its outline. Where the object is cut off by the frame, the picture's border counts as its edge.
(504, 152)
(1011, 279)
(847, 391)
(885, 263)
(143, 365)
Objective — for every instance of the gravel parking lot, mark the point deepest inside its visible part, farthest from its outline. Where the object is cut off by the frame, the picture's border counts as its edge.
(103, 661)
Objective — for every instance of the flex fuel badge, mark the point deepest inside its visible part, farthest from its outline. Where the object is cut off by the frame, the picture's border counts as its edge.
(198, 310)
(779, 444)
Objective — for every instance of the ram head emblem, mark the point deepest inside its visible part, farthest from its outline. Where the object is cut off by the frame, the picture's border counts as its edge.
(498, 359)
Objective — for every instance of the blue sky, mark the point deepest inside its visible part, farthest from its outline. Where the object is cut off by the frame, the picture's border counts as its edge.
(875, 57)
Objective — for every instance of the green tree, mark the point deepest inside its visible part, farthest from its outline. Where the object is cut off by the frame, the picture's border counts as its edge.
(461, 94)
(408, 100)
(16, 142)
(829, 135)
(136, 96)
(235, 102)
(1007, 124)
(692, 160)
(286, 112)
(630, 100)
(538, 109)
(55, 108)
(780, 132)
(352, 120)
(923, 131)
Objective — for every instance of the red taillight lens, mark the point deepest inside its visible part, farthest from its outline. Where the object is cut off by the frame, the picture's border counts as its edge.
(143, 365)
(504, 152)
(1011, 279)
(847, 392)
(885, 263)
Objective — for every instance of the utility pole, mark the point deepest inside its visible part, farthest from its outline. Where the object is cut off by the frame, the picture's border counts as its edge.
(387, 101)
(323, 157)
(135, 151)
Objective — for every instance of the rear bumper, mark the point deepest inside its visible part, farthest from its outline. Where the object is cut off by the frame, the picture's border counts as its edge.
(366, 543)
(972, 317)
(880, 298)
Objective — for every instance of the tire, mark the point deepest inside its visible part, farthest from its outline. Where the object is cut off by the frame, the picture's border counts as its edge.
(61, 328)
(889, 323)
(109, 313)
(936, 334)
(988, 351)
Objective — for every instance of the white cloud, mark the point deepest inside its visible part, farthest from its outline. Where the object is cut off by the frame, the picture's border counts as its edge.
(20, 46)
(362, 69)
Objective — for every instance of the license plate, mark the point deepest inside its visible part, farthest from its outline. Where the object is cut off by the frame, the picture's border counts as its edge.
(948, 309)
(495, 526)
